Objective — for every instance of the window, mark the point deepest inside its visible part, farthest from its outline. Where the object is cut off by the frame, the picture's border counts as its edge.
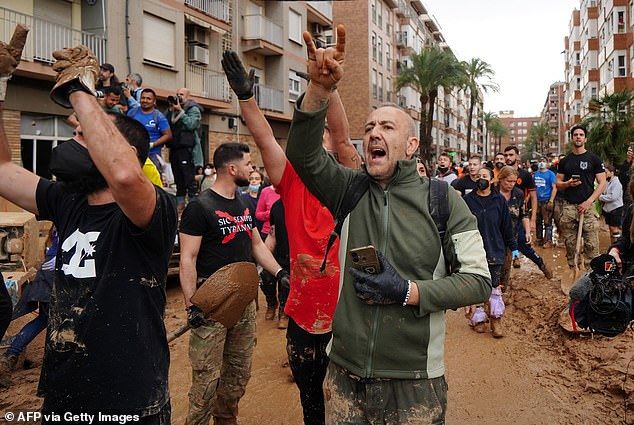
(294, 26)
(294, 86)
(39, 134)
(577, 58)
(373, 9)
(158, 40)
(620, 22)
(621, 63)
(374, 46)
(388, 90)
(374, 87)
(593, 92)
(380, 45)
(380, 87)
(388, 59)
(388, 21)
(379, 20)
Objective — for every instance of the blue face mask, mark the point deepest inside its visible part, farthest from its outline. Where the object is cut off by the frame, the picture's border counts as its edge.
(254, 187)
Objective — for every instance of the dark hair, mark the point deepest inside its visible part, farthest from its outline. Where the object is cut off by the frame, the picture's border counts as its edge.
(227, 152)
(134, 132)
(149, 91)
(478, 157)
(579, 127)
(512, 148)
(498, 153)
(209, 165)
(445, 153)
(116, 90)
(491, 174)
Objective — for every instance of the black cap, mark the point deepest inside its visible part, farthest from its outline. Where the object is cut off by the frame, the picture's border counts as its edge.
(107, 67)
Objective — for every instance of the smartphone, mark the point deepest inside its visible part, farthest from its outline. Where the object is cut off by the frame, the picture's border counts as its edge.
(576, 177)
(632, 146)
(365, 259)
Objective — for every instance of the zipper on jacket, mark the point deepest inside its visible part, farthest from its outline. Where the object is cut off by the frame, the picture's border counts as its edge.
(375, 322)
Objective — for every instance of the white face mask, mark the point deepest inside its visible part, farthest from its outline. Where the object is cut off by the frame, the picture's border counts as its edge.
(208, 171)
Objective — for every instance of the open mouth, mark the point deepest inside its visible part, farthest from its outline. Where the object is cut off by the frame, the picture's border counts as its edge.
(377, 153)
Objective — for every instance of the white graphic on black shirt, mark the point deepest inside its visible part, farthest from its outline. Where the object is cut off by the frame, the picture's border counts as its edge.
(83, 248)
(230, 226)
(583, 165)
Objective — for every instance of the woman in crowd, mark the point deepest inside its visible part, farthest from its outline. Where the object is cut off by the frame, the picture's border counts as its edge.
(252, 194)
(496, 228)
(612, 203)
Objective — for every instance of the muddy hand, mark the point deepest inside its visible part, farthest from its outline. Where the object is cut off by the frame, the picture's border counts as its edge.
(10, 57)
(77, 69)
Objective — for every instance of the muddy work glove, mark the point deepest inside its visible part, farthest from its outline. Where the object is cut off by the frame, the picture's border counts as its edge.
(283, 279)
(10, 57)
(195, 317)
(241, 82)
(387, 287)
(77, 70)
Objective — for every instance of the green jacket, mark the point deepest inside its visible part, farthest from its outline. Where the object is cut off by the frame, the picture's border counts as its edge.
(190, 121)
(393, 341)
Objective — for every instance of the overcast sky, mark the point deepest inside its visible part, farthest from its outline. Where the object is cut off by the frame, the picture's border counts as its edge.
(521, 40)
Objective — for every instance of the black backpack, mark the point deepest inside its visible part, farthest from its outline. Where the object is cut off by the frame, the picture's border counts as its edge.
(438, 206)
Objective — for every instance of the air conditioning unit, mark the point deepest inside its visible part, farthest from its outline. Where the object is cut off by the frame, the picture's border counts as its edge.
(197, 35)
(316, 29)
(199, 54)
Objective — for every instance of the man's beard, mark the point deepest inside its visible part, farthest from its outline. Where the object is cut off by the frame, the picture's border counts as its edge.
(511, 163)
(241, 181)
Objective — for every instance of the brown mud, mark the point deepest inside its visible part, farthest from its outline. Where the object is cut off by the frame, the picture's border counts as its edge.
(536, 374)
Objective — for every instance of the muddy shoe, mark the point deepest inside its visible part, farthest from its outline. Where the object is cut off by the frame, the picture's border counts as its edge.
(283, 322)
(496, 327)
(548, 244)
(7, 366)
(544, 268)
(480, 327)
(516, 263)
(270, 312)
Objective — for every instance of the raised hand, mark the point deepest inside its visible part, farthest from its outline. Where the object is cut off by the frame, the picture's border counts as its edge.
(325, 66)
(10, 57)
(77, 70)
(240, 82)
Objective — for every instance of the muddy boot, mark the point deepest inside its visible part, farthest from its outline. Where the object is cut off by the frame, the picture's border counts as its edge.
(283, 322)
(270, 311)
(496, 327)
(544, 268)
(516, 263)
(7, 366)
(480, 327)
(225, 421)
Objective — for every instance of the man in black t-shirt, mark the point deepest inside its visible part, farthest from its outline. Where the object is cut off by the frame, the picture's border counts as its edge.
(218, 228)
(576, 174)
(524, 181)
(106, 350)
(468, 182)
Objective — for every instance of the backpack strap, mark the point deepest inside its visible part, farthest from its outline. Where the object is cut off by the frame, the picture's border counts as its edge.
(134, 111)
(359, 184)
(156, 119)
(439, 204)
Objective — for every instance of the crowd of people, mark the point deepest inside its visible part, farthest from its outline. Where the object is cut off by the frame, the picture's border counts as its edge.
(434, 248)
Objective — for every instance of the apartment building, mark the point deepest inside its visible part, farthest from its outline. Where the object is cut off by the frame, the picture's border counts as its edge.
(172, 44)
(517, 130)
(384, 33)
(598, 54)
(553, 114)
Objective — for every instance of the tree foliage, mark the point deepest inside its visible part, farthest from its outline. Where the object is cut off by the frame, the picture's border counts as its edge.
(478, 76)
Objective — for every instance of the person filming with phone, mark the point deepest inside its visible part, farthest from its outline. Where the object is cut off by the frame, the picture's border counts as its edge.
(576, 174)
(388, 328)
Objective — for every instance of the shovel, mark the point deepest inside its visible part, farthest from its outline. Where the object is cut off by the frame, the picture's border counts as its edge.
(565, 286)
(224, 295)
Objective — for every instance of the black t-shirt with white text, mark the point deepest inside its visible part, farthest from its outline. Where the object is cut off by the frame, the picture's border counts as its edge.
(587, 165)
(106, 349)
(226, 229)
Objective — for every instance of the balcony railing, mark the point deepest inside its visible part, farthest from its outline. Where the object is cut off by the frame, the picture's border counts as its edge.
(258, 27)
(218, 9)
(206, 82)
(46, 37)
(269, 98)
(323, 7)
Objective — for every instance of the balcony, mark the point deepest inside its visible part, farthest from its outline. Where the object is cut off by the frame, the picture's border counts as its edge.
(322, 7)
(401, 39)
(46, 37)
(218, 9)
(206, 82)
(262, 36)
(269, 98)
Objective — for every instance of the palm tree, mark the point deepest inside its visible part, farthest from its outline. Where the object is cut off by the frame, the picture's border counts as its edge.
(478, 77)
(488, 118)
(537, 135)
(431, 68)
(498, 130)
(611, 120)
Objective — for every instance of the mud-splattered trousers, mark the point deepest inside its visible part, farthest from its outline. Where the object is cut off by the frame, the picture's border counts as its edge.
(544, 224)
(569, 225)
(308, 361)
(221, 367)
(353, 400)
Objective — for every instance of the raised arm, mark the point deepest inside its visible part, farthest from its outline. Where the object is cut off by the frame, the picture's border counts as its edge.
(16, 184)
(112, 154)
(345, 151)
(242, 84)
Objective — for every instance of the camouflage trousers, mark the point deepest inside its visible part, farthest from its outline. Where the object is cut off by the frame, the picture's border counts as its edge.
(352, 400)
(221, 368)
(568, 227)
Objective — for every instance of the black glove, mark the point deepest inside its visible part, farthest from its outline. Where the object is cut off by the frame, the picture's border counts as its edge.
(387, 287)
(195, 317)
(283, 279)
(240, 82)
